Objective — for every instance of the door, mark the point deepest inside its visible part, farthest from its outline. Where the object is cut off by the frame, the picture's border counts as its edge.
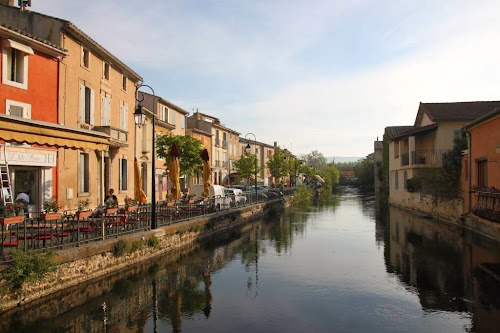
(27, 180)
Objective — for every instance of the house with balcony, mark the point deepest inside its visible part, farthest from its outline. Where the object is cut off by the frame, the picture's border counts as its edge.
(421, 146)
(170, 119)
(481, 167)
(96, 93)
(33, 141)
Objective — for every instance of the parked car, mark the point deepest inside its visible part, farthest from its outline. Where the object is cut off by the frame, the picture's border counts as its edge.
(217, 198)
(237, 197)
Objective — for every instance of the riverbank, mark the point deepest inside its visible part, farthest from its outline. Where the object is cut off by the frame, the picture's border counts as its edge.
(94, 260)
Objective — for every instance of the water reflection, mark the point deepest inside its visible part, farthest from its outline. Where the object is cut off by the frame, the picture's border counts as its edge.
(446, 267)
(329, 266)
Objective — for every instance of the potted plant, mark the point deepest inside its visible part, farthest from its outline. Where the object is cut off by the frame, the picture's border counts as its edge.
(51, 211)
(13, 213)
(110, 206)
(130, 204)
(83, 209)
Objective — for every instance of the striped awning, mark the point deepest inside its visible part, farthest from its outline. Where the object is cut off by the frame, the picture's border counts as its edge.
(21, 130)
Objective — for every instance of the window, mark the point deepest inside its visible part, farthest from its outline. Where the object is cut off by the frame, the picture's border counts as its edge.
(123, 174)
(15, 60)
(84, 174)
(145, 138)
(124, 83)
(174, 115)
(85, 58)
(396, 180)
(123, 117)
(144, 174)
(86, 105)
(482, 172)
(105, 111)
(18, 109)
(405, 178)
(164, 113)
(396, 149)
(105, 73)
(183, 122)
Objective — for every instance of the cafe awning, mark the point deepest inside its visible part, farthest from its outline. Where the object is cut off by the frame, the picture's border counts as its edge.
(21, 130)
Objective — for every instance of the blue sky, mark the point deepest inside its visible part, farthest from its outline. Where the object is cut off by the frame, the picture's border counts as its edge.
(311, 75)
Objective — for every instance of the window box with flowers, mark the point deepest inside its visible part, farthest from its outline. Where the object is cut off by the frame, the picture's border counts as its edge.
(51, 211)
(12, 213)
(83, 209)
(110, 207)
(130, 204)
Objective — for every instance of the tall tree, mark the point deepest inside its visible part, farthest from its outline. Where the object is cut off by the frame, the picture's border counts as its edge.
(190, 149)
(246, 165)
(277, 164)
(315, 160)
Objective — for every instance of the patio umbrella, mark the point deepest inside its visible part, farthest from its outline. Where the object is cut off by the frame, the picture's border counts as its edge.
(174, 172)
(139, 194)
(206, 172)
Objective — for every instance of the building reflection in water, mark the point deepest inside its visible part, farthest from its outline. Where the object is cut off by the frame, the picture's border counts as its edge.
(448, 268)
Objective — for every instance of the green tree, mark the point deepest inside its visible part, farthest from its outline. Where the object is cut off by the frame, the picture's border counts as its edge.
(315, 160)
(277, 165)
(189, 148)
(365, 173)
(246, 165)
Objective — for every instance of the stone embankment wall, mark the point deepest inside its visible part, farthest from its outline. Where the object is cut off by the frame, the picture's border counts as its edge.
(441, 208)
(94, 260)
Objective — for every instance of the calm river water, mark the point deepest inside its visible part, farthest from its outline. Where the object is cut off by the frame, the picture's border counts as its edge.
(329, 267)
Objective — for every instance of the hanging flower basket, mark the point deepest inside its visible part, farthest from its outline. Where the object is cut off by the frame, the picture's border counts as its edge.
(111, 211)
(83, 214)
(11, 220)
(131, 208)
(51, 216)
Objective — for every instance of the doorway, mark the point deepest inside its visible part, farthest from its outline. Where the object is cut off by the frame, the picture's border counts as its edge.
(27, 180)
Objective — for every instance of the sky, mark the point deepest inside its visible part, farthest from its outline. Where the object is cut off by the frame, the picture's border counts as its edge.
(310, 75)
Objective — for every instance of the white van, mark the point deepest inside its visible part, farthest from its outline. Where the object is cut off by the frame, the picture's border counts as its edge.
(217, 196)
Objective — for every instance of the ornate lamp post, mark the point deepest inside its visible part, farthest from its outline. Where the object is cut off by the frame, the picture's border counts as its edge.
(140, 118)
(248, 149)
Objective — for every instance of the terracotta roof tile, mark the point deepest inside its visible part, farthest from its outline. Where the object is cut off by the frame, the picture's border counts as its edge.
(457, 110)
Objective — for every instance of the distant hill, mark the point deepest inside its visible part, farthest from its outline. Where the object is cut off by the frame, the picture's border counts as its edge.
(342, 159)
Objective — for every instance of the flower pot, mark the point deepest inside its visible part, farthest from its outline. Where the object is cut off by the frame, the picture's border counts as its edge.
(51, 216)
(84, 213)
(110, 211)
(170, 204)
(11, 220)
(131, 208)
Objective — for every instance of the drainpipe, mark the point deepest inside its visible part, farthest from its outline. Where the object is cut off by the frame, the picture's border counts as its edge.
(469, 178)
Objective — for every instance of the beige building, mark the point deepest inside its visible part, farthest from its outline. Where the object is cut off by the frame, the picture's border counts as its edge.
(170, 119)
(421, 146)
(96, 94)
(264, 152)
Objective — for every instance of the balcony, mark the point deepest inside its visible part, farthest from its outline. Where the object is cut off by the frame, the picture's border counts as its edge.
(488, 206)
(118, 137)
(217, 163)
(428, 158)
(217, 142)
(224, 144)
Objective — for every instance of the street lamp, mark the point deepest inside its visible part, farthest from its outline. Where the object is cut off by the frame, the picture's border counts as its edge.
(248, 149)
(140, 118)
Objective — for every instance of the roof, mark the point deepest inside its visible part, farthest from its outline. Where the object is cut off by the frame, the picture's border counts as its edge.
(455, 111)
(483, 118)
(414, 130)
(395, 131)
(25, 35)
(251, 141)
(148, 102)
(49, 28)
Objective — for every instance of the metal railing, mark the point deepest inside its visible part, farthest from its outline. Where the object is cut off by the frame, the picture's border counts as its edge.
(217, 142)
(488, 206)
(224, 144)
(70, 228)
(431, 158)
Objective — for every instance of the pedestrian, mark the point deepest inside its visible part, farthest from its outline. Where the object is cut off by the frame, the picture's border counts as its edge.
(112, 197)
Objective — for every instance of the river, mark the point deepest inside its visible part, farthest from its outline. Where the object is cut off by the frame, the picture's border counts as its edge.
(332, 266)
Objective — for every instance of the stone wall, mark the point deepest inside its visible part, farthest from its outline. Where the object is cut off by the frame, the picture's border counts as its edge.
(93, 260)
(441, 208)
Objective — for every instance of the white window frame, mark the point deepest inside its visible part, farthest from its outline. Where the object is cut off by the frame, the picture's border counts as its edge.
(83, 104)
(183, 122)
(165, 114)
(174, 116)
(7, 47)
(105, 110)
(26, 108)
(123, 117)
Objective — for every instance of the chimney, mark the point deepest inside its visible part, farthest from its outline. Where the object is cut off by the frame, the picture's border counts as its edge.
(275, 144)
(7, 2)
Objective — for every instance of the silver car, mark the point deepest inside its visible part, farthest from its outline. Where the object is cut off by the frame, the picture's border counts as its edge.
(236, 196)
